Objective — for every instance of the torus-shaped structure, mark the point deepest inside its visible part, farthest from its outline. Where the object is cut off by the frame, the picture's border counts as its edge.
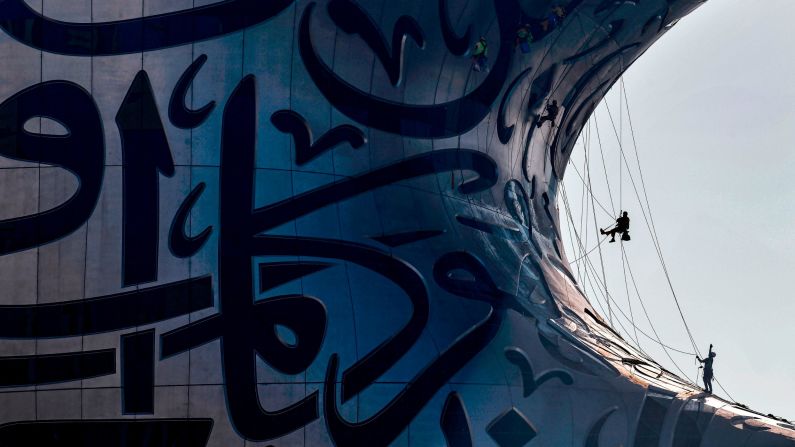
(311, 223)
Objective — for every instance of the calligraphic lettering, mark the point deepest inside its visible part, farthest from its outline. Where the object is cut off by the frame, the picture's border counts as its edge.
(81, 152)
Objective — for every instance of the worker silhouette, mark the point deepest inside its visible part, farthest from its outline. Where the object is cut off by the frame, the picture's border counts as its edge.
(552, 113)
(707, 362)
(622, 226)
(480, 55)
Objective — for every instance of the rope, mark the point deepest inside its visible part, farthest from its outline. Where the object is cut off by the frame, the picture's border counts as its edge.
(589, 251)
(599, 247)
(621, 207)
(643, 305)
(584, 203)
(653, 227)
(652, 232)
(623, 92)
(723, 389)
(607, 212)
(548, 47)
(604, 293)
(626, 288)
(586, 182)
(655, 240)
(588, 270)
(607, 295)
(604, 165)
(651, 217)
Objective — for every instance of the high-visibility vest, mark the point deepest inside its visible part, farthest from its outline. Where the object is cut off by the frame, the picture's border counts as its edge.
(481, 49)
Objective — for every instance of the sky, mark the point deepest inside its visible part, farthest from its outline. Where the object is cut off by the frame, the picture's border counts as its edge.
(712, 106)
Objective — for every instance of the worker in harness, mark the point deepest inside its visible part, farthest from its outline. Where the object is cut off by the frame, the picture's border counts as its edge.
(524, 38)
(707, 362)
(480, 55)
(622, 226)
(552, 113)
(560, 12)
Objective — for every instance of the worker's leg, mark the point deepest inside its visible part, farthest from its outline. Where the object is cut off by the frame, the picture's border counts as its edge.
(542, 120)
(483, 63)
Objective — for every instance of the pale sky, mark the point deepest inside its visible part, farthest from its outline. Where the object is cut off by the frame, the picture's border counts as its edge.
(713, 109)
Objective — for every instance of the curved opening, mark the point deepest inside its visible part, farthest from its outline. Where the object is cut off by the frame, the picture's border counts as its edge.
(26, 191)
(461, 275)
(286, 336)
(41, 125)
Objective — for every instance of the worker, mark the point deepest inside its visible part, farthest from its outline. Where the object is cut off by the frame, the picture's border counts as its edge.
(545, 25)
(622, 226)
(560, 12)
(480, 55)
(552, 113)
(524, 38)
(707, 362)
(552, 20)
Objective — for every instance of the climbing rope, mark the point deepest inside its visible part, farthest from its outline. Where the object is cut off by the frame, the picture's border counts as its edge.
(586, 269)
(589, 190)
(589, 251)
(599, 247)
(651, 217)
(626, 288)
(655, 240)
(601, 288)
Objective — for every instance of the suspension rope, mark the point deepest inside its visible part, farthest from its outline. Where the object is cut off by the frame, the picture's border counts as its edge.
(652, 225)
(724, 389)
(587, 270)
(655, 241)
(583, 210)
(645, 311)
(588, 189)
(593, 210)
(626, 288)
(607, 296)
(589, 251)
(651, 217)
(621, 207)
(605, 293)
(604, 165)
(656, 338)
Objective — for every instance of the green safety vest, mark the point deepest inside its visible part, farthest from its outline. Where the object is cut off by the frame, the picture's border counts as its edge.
(480, 49)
